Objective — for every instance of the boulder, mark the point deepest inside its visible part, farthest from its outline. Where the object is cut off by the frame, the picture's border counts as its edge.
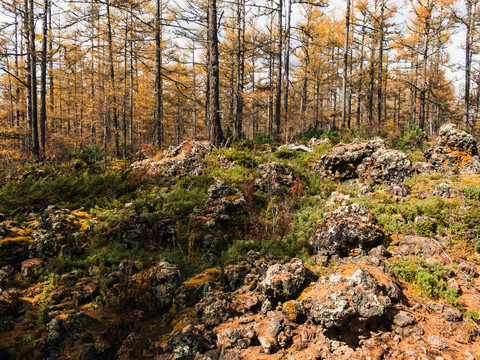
(385, 166)
(164, 280)
(454, 148)
(350, 293)
(294, 147)
(443, 190)
(342, 162)
(185, 159)
(403, 318)
(400, 190)
(137, 231)
(285, 282)
(345, 229)
(415, 246)
(274, 178)
(60, 231)
(316, 142)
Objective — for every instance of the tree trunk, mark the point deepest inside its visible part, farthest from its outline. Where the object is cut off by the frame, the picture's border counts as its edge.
(237, 129)
(43, 81)
(287, 62)
(33, 78)
(380, 67)
(345, 67)
(113, 106)
(468, 62)
(278, 95)
(216, 133)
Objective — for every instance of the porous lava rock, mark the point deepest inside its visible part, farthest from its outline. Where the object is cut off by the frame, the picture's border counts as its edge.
(454, 148)
(352, 292)
(345, 229)
(385, 166)
(137, 231)
(274, 177)
(342, 162)
(286, 281)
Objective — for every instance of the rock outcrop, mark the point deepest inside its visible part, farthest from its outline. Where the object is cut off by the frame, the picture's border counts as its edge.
(352, 292)
(274, 178)
(454, 148)
(349, 228)
(385, 166)
(342, 162)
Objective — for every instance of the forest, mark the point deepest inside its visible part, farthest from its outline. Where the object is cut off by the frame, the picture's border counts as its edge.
(130, 76)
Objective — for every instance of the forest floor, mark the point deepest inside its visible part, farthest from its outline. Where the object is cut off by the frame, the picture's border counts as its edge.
(365, 249)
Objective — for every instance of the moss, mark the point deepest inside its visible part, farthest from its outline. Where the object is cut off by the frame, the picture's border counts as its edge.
(200, 279)
(430, 277)
(182, 319)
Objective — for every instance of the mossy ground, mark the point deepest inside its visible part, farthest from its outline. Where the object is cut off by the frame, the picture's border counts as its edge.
(277, 225)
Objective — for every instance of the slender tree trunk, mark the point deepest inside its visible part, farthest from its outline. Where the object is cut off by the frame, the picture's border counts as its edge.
(345, 67)
(287, 62)
(237, 130)
(194, 91)
(216, 133)
(380, 66)
(33, 79)
(360, 80)
(278, 95)
(370, 92)
(43, 81)
(113, 106)
(468, 62)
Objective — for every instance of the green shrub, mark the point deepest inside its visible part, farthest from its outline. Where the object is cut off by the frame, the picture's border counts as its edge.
(241, 158)
(430, 277)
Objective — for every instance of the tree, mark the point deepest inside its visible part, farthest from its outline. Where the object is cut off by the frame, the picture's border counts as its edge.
(216, 133)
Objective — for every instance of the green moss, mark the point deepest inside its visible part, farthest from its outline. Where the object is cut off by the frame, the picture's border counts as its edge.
(430, 277)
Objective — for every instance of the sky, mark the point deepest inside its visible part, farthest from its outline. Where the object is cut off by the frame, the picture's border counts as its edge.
(455, 49)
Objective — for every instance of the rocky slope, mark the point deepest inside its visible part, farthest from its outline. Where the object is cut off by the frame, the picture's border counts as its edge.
(345, 252)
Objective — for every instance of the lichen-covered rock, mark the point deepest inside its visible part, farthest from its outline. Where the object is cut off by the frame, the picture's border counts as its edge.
(272, 333)
(14, 244)
(294, 147)
(385, 166)
(443, 190)
(316, 142)
(337, 198)
(350, 293)
(137, 231)
(274, 177)
(284, 282)
(415, 246)
(29, 268)
(60, 231)
(342, 162)
(204, 284)
(184, 160)
(164, 280)
(454, 148)
(400, 190)
(215, 309)
(347, 228)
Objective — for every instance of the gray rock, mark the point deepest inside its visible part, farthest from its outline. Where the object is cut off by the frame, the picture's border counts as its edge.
(284, 282)
(342, 162)
(294, 147)
(454, 148)
(350, 292)
(452, 315)
(437, 342)
(401, 190)
(443, 190)
(385, 166)
(403, 319)
(345, 229)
